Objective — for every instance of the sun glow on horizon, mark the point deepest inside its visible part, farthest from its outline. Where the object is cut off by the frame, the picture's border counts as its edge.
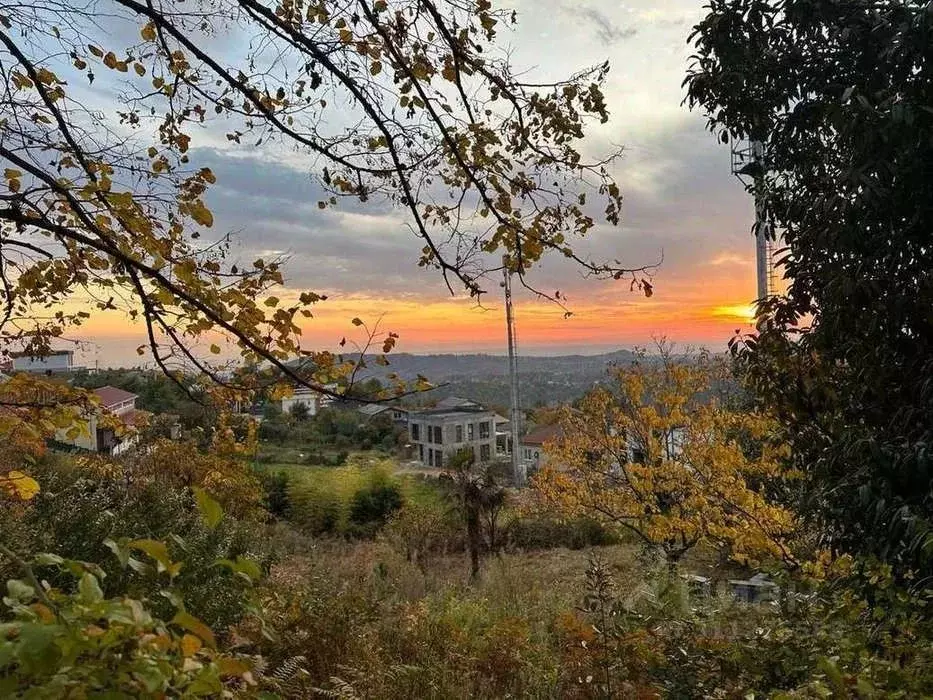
(740, 312)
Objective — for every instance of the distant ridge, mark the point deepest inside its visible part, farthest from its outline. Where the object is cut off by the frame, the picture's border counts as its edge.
(485, 366)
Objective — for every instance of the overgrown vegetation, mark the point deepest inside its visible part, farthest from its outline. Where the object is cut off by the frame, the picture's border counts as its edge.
(218, 566)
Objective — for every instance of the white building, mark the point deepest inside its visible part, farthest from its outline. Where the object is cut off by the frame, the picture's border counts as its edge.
(54, 362)
(439, 433)
(105, 440)
(313, 400)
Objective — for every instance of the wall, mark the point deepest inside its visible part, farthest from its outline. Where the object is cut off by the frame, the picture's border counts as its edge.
(453, 440)
(52, 363)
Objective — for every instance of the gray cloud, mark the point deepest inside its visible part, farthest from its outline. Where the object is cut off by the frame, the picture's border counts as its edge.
(272, 209)
(680, 202)
(607, 31)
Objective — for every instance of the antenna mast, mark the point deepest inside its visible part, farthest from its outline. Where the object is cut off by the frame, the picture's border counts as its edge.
(518, 469)
(748, 164)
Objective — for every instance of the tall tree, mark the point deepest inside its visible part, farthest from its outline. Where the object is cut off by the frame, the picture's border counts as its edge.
(840, 92)
(479, 500)
(657, 456)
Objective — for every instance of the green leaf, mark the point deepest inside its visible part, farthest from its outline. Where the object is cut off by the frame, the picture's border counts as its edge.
(158, 551)
(243, 567)
(47, 559)
(89, 589)
(122, 553)
(211, 512)
(189, 622)
(20, 590)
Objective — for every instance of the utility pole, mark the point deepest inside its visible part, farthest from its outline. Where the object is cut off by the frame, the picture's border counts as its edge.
(518, 469)
(748, 163)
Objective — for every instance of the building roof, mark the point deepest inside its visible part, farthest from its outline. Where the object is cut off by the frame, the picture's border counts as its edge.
(111, 395)
(457, 402)
(540, 435)
(373, 409)
(50, 353)
(464, 411)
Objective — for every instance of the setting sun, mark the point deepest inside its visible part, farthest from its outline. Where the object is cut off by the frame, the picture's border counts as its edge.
(743, 312)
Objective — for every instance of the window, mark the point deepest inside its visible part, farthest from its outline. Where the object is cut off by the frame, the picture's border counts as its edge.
(536, 454)
(484, 452)
(473, 452)
(430, 431)
(416, 432)
(470, 427)
(459, 434)
(438, 459)
(438, 435)
(421, 453)
(483, 430)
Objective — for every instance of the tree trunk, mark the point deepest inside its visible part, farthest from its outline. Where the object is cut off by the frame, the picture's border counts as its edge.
(474, 541)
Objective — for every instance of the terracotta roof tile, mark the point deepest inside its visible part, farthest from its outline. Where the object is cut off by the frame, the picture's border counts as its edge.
(540, 435)
(111, 395)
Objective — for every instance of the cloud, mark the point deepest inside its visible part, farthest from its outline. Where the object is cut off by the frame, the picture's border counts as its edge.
(607, 31)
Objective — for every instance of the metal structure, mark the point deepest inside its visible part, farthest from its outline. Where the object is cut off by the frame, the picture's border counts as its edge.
(748, 164)
(518, 469)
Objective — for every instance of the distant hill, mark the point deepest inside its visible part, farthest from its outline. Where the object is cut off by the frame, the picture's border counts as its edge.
(484, 378)
(440, 367)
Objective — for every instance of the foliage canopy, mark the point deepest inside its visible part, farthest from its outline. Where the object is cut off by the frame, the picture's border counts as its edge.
(839, 93)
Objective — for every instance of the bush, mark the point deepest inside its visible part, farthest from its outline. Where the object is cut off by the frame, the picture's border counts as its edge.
(373, 505)
(81, 506)
(276, 501)
(83, 644)
(541, 533)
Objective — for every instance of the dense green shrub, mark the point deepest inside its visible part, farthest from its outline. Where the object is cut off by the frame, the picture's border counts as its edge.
(276, 498)
(352, 501)
(80, 507)
(55, 644)
(373, 505)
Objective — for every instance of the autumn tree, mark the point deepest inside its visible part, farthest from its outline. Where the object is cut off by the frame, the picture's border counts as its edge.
(838, 93)
(222, 469)
(111, 205)
(657, 456)
(407, 102)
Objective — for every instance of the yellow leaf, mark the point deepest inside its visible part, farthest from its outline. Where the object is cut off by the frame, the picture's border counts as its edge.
(43, 612)
(12, 173)
(190, 645)
(272, 301)
(110, 60)
(208, 176)
(215, 349)
(148, 32)
(232, 667)
(201, 214)
(356, 322)
(19, 486)
(346, 36)
(94, 50)
(139, 68)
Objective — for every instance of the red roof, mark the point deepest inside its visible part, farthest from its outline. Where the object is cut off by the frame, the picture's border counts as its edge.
(111, 396)
(539, 436)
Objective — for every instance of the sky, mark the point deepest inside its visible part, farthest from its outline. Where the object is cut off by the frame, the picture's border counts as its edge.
(681, 205)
